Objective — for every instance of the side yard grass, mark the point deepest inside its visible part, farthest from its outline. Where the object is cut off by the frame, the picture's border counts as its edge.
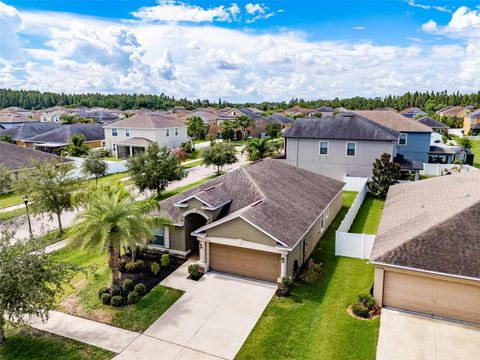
(368, 216)
(31, 344)
(313, 323)
(476, 150)
(81, 298)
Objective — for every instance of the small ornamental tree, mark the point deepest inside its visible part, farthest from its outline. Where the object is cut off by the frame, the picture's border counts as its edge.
(228, 130)
(155, 168)
(260, 148)
(273, 129)
(76, 146)
(196, 128)
(385, 173)
(94, 165)
(219, 155)
(464, 142)
(50, 187)
(244, 122)
(30, 280)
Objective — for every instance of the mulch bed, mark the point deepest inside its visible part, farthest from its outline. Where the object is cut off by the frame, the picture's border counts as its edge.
(373, 316)
(145, 275)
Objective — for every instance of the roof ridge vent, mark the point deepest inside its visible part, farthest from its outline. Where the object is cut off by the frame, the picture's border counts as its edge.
(210, 188)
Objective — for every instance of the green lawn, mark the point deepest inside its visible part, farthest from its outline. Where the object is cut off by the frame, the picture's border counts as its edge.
(194, 155)
(9, 199)
(193, 164)
(7, 215)
(368, 216)
(313, 323)
(81, 298)
(31, 344)
(476, 150)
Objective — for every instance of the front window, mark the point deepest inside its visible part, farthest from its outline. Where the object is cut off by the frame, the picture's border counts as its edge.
(402, 140)
(351, 148)
(323, 147)
(474, 120)
(158, 236)
(167, 132)
(176, 131)
(114, 132)
(127, 132)
(322, 222)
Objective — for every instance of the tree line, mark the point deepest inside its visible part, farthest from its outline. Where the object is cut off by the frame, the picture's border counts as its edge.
(34, 100)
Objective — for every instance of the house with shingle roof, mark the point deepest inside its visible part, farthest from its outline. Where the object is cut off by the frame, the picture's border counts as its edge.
(435, 125)
(128, 136)
(22, 132)
(260, 221)
(11, 120)
(426, 252)
(342, 145)
(414, 140)
(471, 123)
(412, 112)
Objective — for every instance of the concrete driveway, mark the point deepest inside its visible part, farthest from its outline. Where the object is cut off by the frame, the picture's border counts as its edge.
(210, 321)
(405, 336)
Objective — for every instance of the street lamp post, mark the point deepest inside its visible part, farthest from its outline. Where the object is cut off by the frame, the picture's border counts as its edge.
(25, 200)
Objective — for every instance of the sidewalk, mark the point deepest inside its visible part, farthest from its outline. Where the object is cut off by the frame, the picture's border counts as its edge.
(94, 333)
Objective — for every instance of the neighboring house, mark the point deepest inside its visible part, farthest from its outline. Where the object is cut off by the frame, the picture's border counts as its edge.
(231, 114)
(15, 110)
(471, 122)
(260, 221)
(131, 135)
(449, 154)
(426, 252)
(102, 116)
(414, 140)
(12, 120)
(324, 110)
(21, 133)
(300, 111)
(281, 119)
(19, 159)
(53, 116)
(344, 145)
(435, 125)
(59, 137)
(412, 112)
(451, 111)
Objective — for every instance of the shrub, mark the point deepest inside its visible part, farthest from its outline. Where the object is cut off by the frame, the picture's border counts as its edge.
(155, 268)
(102, 291)
(133, 297)
(128, 285)
(106, 298)
(367, 300)
(312, 272)
(116, 301)
(285, 286)
(211, 138)
(194, 270)
(187, 147)
(180, 154)
(360, 310)
(134, 266)
(165, 260)
(140, 289)
(122, 265)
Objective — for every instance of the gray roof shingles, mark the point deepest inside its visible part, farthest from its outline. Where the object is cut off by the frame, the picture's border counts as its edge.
(62, 134)
(15, 157)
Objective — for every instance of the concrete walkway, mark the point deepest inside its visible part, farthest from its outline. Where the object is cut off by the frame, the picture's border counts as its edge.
(211, 321)
(404, 336)
(86, 331)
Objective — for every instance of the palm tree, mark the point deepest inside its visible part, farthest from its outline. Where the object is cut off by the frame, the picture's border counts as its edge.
(260, 148)
(244, 122)
(111, 220)
(69, 118)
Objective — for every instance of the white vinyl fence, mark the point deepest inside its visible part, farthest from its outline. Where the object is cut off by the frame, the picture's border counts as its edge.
(113, 166)
(354, 183)
(351, 244)
(438, 169)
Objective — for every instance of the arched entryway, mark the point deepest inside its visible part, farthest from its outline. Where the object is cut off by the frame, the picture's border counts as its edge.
(192, 222)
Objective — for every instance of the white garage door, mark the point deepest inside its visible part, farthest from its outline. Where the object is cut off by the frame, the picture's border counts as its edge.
(449, 299)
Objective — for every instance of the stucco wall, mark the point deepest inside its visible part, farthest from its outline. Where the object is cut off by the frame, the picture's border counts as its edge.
(336, 164)
(177, 238)
(313, 236)
(418, 145)
(239, 229)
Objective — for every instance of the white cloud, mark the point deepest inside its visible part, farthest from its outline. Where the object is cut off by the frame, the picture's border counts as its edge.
(11, 25)
(82, 54)
(359, 28)
(175, 11)
(253, 9)
(428, 7)
(430, 26)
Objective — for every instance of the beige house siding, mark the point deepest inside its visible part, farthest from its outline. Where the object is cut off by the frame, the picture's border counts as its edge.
(305, 153)
(239, 229)
(177, 239)
(313, 236)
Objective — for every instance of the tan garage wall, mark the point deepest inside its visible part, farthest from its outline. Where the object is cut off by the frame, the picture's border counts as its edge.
(432, 295)
(245, 262)
(239, 229)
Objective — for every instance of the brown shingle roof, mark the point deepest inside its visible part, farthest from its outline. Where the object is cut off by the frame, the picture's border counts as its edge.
(135, 141)
(14, 157)
(432, 225)
(280, 199)
(393, 120)
(147, 121)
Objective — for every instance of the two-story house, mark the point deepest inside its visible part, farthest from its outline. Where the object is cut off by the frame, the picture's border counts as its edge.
(471, 123)
(414, 140)
(125, 138)
(339, 146)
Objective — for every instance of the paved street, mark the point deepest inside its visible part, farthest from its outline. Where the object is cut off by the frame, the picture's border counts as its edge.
(42, 224)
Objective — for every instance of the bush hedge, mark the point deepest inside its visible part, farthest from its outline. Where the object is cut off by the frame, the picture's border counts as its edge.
(133, 297)
(116, 301)
(140, 289)
(128, 285)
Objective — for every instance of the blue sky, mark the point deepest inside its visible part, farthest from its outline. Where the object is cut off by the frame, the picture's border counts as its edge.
(241, 50)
